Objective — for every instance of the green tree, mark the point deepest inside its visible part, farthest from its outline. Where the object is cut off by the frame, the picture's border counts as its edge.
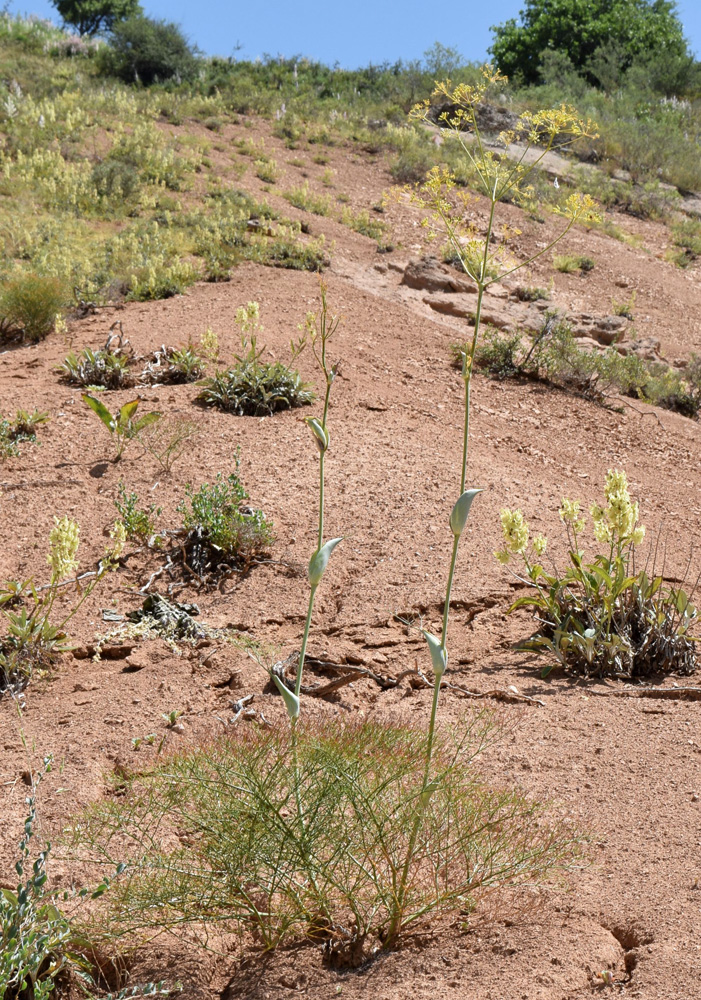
(91, 17)
(635, 29)
(149, 51)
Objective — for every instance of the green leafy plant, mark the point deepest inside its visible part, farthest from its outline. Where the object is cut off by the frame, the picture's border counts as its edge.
(123, 426)
(634, 29)
(29, 307)
(553, 356)
(36, 940)
(251, 860)
(602, 616)
(253, 387)
(174, 366)
(624, 307)
(41, 950)
(90, 17)
(222, 534)
(148, 50)
(531, 293)
(308, 201)
(139, 522)
(569, 264)
(22, 428)
(33, 640)
(363, 224)
(105, 369)
(267, 171)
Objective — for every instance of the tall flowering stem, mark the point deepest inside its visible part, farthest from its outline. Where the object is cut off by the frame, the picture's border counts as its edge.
(319, 328)
(496, 178)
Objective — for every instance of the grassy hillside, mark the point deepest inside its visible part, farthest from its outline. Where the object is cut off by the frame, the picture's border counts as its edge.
(115, 191)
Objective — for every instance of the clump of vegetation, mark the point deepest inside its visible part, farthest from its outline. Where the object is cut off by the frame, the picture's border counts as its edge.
(308, 201)
(36, 939)
(33, 640)
(679, 391)
(253, 387)
(602, 616)
(624, 307)
(40, 950)
(169, 438)
(252, 860)
(30, 306)
(553, 356)
(222, 534)
(174, 366)
(362, 223)
(686, 237)
(531, 293)
(267, 171)
(22, 428)
(138, 522)
(569, 264)
(104, 369)
(146, 50)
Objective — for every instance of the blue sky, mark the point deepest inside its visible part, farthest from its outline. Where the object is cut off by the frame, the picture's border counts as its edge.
(352, 34)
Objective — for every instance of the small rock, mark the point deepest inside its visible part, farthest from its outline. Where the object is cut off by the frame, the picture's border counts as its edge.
(451, 305)
(135, 661)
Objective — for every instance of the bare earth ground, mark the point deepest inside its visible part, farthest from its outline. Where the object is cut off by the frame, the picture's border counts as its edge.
(627, 769)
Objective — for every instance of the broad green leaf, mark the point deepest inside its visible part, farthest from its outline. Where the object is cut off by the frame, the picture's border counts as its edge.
(439, 656)
(101, 410)
(145, 421)
(320, 559)
(459, 513)
(289, 697)
(127, 412)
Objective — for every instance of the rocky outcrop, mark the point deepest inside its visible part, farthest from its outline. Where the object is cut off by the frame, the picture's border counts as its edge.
(604, 329)
(429, 274)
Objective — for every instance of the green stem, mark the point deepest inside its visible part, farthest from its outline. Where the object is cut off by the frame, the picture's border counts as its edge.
(396, 921)
(320, 541)
(305, 638)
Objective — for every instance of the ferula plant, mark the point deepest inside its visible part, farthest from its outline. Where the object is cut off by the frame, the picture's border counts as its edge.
(605, 615)
(345, 834)
(485, 262)
(320, 328)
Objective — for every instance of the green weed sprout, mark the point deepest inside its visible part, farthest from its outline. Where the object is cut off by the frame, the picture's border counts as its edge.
(123, 425)
(485, 263)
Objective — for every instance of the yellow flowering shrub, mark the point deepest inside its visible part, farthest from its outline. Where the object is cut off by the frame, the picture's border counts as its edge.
(601, 617)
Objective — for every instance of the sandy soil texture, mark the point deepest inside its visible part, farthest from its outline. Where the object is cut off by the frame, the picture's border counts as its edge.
(627, 769)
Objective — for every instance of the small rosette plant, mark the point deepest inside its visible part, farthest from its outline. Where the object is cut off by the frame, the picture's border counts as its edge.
(602, 616)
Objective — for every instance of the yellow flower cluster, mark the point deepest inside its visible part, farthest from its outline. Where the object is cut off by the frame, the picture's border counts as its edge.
(64, 540)
(569, 514)
(618, 521)
(247, 318)
(515, 531)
